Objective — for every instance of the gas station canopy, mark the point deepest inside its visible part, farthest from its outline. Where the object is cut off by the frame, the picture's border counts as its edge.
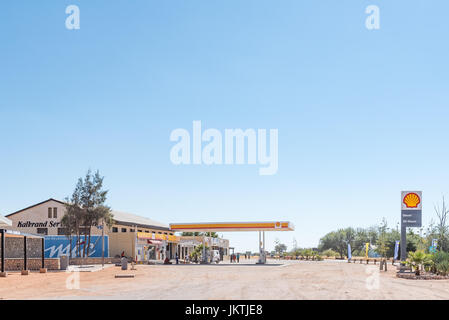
(233, 226)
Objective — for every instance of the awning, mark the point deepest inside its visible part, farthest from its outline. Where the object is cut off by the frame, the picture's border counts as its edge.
(157, 236)
(154, 242)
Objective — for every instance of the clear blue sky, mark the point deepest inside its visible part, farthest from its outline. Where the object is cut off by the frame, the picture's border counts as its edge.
(361, 114)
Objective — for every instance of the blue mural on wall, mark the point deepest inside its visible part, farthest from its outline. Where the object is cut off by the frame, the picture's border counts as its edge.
(56, 246)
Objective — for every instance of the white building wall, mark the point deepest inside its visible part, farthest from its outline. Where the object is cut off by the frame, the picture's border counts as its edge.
(39, 214)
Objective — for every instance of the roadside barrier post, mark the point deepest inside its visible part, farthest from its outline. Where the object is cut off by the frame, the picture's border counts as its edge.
(2, 232)
(43, 269)
(43, 253)
(25, 262)
(25, 257)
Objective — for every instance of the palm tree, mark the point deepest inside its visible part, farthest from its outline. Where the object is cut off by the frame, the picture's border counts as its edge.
(418, 259)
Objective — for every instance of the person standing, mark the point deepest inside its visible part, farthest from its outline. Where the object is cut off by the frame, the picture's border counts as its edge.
(238, 257)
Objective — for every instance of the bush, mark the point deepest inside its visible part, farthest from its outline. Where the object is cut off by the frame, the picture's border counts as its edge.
(441, 263)
(442, 267)
(419, 259)
(330, 253)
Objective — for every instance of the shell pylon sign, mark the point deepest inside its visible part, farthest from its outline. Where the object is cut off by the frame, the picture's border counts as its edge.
(411, 200)
(411, 208)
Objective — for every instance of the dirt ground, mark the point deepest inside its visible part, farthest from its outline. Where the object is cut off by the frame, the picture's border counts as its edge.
(278, 280)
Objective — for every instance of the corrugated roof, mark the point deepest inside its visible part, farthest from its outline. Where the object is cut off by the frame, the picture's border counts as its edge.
(130, 218)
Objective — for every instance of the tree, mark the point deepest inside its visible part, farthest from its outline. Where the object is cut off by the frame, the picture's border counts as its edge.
(382, 242)
(191, 234)
(279, 248)
(86, 208)
(413, 241)
(197, 253)
(294, 245)
(419, 259)
(338, 241)
(441, 227)
(306, 253)
(360, 240)
(73, 219)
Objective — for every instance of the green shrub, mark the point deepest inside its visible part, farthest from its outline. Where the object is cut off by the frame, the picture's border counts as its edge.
(440, 263)
(330, 253)
(442, 267)
(307, 253)
(419, 259)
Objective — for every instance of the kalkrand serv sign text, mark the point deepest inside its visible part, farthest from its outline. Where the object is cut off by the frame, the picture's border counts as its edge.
(411, 208)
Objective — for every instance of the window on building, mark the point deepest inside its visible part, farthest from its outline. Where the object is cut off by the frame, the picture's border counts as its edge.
(55, 212)
(146, 231)
(114, 229)
(132, 230)
(123, 229)
(50, 212)
(160, 232)
(43, 231)
(139, 230)
(62, 231)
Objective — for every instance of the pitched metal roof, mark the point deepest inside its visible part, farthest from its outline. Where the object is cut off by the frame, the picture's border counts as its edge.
(119, 216)
(132, 219)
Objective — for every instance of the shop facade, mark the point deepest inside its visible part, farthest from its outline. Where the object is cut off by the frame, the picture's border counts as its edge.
(187, 244)
(130, 235)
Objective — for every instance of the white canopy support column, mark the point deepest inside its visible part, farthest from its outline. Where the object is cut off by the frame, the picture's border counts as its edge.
(203, 258)
(264, 256)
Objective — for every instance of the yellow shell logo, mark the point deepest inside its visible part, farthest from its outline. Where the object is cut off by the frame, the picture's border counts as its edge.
(412, 200)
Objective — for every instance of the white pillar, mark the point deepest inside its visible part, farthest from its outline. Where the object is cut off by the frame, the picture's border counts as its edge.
(264, 258)
(263, 242)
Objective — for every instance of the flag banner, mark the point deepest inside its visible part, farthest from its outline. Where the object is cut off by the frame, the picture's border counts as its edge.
(434, 243)
(349, 252)
(396, 250)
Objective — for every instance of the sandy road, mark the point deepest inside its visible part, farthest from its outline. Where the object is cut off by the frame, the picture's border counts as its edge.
(293, 280)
